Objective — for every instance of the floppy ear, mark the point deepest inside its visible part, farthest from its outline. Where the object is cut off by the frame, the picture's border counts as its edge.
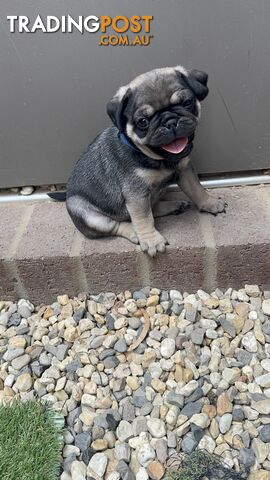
(197, 81)
(116, 108)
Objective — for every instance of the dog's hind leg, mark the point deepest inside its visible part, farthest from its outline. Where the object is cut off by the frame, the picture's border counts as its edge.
(94, 224)
(169, 207)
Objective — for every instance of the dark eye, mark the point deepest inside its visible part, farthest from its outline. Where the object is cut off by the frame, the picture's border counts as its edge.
(188, 102)
(142, 123)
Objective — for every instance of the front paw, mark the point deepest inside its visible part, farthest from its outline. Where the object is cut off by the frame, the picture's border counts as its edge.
(181, 207)
(151, 244)
(213, 205)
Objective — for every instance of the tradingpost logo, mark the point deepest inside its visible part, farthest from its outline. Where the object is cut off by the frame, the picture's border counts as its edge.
(117, 31)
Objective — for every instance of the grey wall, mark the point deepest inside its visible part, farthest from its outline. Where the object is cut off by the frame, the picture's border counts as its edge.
(54, 87)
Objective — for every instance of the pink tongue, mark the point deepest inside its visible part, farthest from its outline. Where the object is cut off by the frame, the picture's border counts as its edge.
(177, 146)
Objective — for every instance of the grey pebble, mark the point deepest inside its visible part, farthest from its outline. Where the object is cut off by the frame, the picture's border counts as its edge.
(147, 379)
(108, 352)
(120, 395)
(100, 421)
(83, 440)
(20, 362)
(134, 323)
(51, 349)
(124, 470)
(172, 332)
(128, 411)
(139, 295)
(245, 438)
(247, 457)
(228, 327)
(4, 319)
(191, 409)
(264, 434)
(12, 308)
(62, 352)
(118, 385)
(73, 366)
(175, 399)
(122, 451)
(24, 311)
(238, 414)
(197, 336)
(139, 425)
(113, 419)
(265, 328)
(198, 432)
(73, 415)
(111, 362)
(45, 359)
(13, 353)
(196, 395)
(139, 398)
(96, 342)
(188, 444)
(146, 409)
(14, 320)
(79, 314)
(191, 314)
(176, 308)
(172, 441)
(120, 346)
(37, 369)
(68, 461)
(164, 296)
(243, 356)
(110, 321)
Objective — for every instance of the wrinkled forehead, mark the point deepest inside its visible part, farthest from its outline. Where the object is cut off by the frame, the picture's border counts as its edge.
(158, 91)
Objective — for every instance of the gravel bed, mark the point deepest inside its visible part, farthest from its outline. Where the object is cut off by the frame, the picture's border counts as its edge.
(193, 372)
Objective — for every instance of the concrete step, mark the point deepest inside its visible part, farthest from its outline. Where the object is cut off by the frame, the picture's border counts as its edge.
(42, 255)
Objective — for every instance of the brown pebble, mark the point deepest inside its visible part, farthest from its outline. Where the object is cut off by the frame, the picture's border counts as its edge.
(155, 470)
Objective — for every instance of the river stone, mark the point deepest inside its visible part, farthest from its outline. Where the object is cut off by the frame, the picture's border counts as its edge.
(228, 327)
(124, 431)
(156, 427)
(247, 457)
(249, 342)
(145, 454)
(225, 422)
(175, 399)
(83, 440)
(192, 409)
(197, 336)
(264, 434)
(97, 464)
(20, 362)
(139, 398)
(188, 444)
(167, 347)
(266, 307)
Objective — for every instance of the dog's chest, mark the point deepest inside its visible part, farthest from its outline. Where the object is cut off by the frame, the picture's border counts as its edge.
(155, 179)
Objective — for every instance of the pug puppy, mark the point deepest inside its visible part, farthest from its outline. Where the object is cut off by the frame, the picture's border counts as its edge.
(116, 185)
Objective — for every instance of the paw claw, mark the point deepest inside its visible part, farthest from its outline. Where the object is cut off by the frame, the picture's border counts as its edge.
(214, 206)
(154, 244)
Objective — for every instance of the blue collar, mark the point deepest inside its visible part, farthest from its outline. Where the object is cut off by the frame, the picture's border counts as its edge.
(125, 140)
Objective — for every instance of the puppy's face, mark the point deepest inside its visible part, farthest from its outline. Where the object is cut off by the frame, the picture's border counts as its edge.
(159, 110)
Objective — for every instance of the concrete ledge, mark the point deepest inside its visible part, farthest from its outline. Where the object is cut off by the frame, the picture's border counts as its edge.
(42, 255)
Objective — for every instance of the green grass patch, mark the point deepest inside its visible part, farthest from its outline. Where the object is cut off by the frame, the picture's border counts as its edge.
(30, 442)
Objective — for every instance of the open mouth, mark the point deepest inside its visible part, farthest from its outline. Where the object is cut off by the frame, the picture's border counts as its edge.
(177, 146)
